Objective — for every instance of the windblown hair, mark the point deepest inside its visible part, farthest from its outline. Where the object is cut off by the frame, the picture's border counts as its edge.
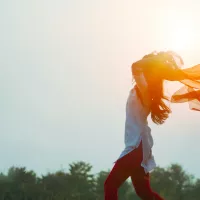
(159, 110)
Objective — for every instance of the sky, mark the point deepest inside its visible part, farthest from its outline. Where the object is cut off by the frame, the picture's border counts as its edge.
(65, 77)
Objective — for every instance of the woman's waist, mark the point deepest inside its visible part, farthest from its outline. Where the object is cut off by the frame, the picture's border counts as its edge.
(132, 136)
(137, 126)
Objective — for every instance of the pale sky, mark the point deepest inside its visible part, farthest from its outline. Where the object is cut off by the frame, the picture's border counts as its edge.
(65, 77)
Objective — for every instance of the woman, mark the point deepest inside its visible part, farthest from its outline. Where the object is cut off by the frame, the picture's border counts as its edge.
(145, 98)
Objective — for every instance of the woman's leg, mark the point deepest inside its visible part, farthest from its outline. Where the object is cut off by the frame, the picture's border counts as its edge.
(114, 180)
(141, 183)
(120, 172)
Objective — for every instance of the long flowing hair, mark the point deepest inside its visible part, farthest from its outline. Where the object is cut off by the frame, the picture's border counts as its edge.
(158, 109)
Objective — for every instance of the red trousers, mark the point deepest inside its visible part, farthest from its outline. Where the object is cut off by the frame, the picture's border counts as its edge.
(130, 166)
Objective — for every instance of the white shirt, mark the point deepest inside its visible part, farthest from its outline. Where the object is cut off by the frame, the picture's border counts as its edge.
(137, 130)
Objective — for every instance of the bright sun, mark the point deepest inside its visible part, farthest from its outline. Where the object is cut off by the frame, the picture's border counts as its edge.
(181, 38)
(180, 33)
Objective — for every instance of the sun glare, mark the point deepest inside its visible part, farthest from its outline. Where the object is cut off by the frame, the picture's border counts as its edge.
(180, 33)
(181, 38)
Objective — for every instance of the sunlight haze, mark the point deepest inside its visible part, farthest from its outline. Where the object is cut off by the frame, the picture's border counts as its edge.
(65, 77)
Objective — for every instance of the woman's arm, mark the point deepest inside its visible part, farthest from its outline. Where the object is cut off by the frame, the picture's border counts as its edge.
(143, 88)
(141, 83)
(156, 66)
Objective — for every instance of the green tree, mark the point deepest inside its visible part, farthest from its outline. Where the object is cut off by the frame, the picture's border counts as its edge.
(125, 191)
(100, 179)
(56, 185)
(194, 191)
(22, 182)
(171, 183)
(181, 181)
(82, 182)
(5, 184)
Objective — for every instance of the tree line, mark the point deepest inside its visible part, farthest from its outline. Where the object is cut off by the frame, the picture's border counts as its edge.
(172, 183)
